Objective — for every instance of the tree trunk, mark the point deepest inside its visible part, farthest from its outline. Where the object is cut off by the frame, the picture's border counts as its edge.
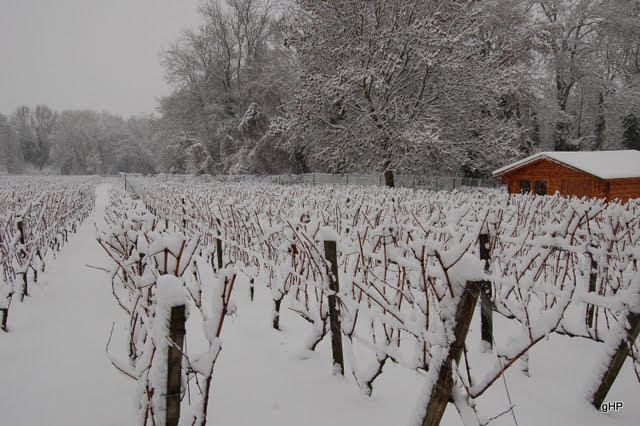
(563, 123)
(601, 125)
(388, 174)
(388, 178)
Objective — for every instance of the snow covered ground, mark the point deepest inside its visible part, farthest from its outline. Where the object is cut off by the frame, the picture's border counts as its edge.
(54, 370)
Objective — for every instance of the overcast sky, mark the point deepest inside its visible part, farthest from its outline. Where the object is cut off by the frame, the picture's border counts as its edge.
(97, 54)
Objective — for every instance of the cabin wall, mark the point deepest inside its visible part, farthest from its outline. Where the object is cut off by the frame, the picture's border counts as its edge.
(624, 189)
(558, 178)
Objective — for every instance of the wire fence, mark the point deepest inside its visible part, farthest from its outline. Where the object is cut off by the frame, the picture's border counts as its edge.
(435, 183)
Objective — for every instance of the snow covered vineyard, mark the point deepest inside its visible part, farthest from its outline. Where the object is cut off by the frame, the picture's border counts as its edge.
(426, 182)
(37, 214)
(237, 304)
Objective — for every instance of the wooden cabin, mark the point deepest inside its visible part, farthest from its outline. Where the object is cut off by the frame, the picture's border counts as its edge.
(599, 174)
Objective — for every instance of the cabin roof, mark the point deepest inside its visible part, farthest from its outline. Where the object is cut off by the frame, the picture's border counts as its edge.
(602, 164)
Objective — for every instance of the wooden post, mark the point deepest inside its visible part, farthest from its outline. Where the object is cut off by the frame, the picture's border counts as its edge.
(5, 315)
(441, 390)
(219, 253)
(276, 314)
(616, 361)
(331, 254)
(23, 256)
(184, 216)
(313, 179)
(174, 364)
(486, 308)
(593, 279)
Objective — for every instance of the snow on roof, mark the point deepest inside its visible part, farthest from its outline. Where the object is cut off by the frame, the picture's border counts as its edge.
(603, 164)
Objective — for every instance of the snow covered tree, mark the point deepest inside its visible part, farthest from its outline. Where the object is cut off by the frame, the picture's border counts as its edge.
(232, 61)
(21, 123)
(199, 161)
(87, 142)
(43, 120)
(585, 59)
(385, 82)
(75, 149)
(33, 129)
(10, 159)
(631, 135)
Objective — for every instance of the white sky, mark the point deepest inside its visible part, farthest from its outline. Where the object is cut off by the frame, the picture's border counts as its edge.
(96, 54)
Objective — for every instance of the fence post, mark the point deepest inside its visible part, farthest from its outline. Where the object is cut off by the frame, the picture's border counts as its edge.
(346, 179)
(331, 254)
(593, 279)
(219, 253)
(3, 322)
(23, 255)
(616, 360)
(441, 390)
(313, 179)
(174, 364)
(184, 217)
(5, 313)
(486, 309)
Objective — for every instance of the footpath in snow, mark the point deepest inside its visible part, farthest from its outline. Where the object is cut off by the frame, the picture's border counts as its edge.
(53, 368)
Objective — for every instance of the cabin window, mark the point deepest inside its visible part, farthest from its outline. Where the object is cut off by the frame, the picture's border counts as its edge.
(525, 186)
(541, 187)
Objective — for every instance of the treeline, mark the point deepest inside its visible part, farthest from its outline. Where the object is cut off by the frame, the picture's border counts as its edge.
(42, 140)
(436, 86)
(409, 85)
